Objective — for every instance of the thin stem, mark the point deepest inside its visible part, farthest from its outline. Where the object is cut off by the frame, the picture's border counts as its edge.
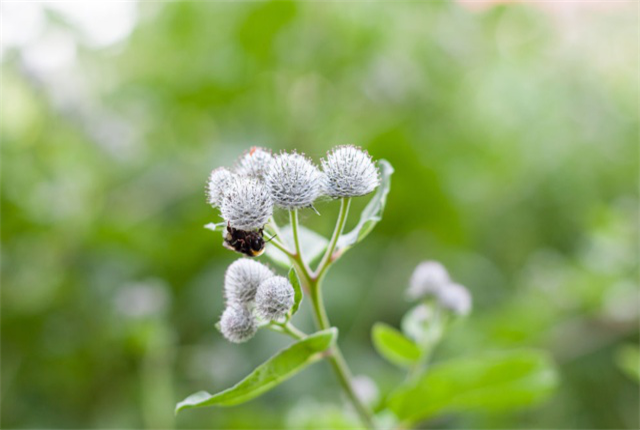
(293, 216)
(281, 247)
(288, 329)
(313, 284)
(277, 236)
(342, 220)
(337, 361)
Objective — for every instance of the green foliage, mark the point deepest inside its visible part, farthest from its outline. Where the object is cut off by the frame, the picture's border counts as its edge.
(372, 213)
(271, 373)
(484, 382)
(394, 346)
(628, 360)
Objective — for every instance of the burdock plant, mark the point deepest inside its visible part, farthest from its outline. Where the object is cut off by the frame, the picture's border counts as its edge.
(256, 297)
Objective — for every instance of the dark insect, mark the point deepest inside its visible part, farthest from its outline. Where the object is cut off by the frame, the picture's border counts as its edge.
(249, 243)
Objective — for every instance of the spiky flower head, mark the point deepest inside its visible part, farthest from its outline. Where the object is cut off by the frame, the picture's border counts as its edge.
(242, 279)
(274, 298)
(349, 172)
(455, 298)
(246, 203)
(237, 323)
(255, 163)
(428, 278)
(216, 185)
(293, 181)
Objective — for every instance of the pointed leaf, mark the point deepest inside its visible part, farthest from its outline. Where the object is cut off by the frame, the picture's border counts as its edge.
(394, 346)
(372, 213)
(274, 371)
(312, 244)
(297, 291)
(481, 383)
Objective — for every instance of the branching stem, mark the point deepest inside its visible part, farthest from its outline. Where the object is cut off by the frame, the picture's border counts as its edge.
(312, 284)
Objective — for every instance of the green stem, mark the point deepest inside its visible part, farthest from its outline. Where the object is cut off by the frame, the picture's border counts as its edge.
(293, 216)
(313, 285)
(277, 237)
(281, 247)
(327, 259)
(288, 329)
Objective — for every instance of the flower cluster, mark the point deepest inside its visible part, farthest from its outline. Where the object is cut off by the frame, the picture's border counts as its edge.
(430, 279)
(252, 290)
(246, 194)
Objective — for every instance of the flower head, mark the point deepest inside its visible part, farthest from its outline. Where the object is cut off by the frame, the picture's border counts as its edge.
(349, 172)
(242, 279)
(237, 324)
(246, 203)
(255, 163)
(293, 181)
(428, 278)
(274, 297)
(455, 298)
(216, 185)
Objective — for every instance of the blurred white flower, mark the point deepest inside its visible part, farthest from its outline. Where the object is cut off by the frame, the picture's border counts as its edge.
(274, 298)
(349, 172)
(293, 181)
(428, 278)
(142, 299)
(366, 389)
(237, 323)
(455, 298)
(246, 203)
(242, 279)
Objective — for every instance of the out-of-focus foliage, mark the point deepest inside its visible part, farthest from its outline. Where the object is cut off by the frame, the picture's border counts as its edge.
(513, 133)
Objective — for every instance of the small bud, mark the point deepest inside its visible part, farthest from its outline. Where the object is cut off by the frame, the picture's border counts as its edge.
(216, 185)
(427, 279)
(246, 203)
(417, 322)
(237, 324)
(255, 163)
(349, 172)
(293, 181)
(366, 389)
(242, 279)
(274, 298)
(455, 298)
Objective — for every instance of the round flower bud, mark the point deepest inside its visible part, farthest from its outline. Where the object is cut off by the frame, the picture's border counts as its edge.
(349, 172)
(237, 324)
(293, 181)
(455, 298)
(216, 185)
(255, 163)
(427, 279)
(246, 203)
(242, 279)
(366, 389)
(274, 298)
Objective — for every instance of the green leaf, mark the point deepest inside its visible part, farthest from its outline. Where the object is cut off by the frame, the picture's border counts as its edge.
(297, 289)
(394, 346)
(481, 383)
(312, 244)
(274, 371)
(372, 213)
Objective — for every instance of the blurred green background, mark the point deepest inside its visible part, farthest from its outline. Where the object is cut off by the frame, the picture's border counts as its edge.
(513, 129)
